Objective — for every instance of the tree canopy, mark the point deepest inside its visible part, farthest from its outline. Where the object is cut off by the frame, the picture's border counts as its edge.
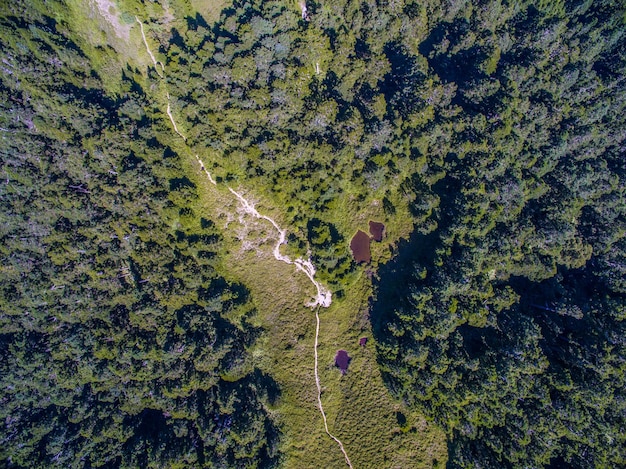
(495, 130)
(116, 351)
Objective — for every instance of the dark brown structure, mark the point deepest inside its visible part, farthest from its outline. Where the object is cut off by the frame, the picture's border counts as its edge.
(360, 246)
(377, 230)
(342, 360)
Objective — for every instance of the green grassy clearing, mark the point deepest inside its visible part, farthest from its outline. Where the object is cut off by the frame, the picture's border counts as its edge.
(360, 410)
(209, 9)
(110, 35)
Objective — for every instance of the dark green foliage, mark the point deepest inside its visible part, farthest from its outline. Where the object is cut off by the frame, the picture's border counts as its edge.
(328, 244)
(500, 124)
(508, 330)
(503, 126)
(112, 333)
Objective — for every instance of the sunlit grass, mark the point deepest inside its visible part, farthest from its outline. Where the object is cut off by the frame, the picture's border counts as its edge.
(360, 409)
(210, 9)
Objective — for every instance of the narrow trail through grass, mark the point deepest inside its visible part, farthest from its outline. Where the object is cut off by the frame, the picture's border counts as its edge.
(152, 57)
(323, 296)
(319, 390)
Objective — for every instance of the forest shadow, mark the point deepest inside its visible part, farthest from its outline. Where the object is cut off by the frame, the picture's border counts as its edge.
(418, 252)
(395, 276)
(463, 67)
(399, 86)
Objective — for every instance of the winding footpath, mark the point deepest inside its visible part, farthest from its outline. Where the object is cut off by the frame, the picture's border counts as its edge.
(323, 297)
(319, 392)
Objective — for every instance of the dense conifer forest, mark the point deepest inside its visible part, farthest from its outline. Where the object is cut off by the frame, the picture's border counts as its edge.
(488, 136)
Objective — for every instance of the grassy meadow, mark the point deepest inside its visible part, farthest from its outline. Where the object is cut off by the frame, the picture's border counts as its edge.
(360, 410)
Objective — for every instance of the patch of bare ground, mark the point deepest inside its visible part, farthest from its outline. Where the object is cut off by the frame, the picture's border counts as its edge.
(108, 10)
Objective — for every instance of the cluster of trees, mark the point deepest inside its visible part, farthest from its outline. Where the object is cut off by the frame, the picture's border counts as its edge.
(116, 350)
(308, 110)
(501, 125)
(509, 329)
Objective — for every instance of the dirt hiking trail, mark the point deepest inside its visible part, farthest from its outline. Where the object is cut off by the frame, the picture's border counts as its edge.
(323, 297)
